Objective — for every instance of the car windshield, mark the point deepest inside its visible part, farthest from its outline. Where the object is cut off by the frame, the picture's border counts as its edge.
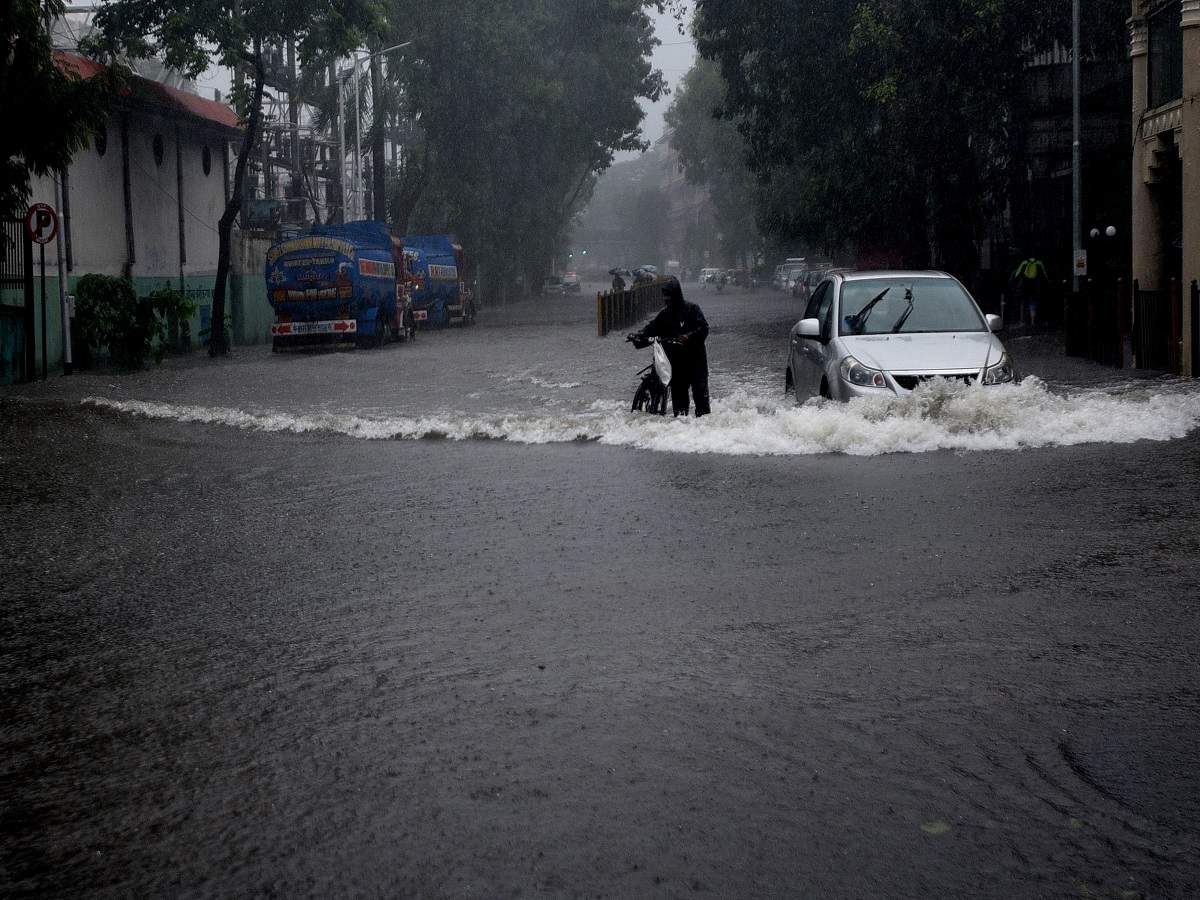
(907, 305)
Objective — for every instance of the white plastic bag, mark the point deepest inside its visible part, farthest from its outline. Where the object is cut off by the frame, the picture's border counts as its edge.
(662, 365)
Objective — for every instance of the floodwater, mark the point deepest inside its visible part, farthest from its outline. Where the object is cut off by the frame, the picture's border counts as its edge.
(260, 641)
(541, 376)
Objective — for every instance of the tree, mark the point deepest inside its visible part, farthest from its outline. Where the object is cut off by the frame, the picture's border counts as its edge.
(713, 155)
(883, 124)
(516, 106)
(239, 32)
(34, 143)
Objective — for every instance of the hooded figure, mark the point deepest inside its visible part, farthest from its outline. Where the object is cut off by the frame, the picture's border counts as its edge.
(683, 322)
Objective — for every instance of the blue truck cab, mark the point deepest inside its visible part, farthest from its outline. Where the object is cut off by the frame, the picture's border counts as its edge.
(440, 294)
(332, 283)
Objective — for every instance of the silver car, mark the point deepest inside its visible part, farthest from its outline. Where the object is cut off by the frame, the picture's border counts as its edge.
(871, 334)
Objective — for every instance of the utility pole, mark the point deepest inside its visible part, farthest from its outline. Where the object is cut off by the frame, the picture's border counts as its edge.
(357, 142)
(341, 144)
(378, 124)
(1076, 153)
(296, 188)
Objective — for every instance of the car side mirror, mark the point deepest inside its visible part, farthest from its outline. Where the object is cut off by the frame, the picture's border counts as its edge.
(994, 323)
(809, 328)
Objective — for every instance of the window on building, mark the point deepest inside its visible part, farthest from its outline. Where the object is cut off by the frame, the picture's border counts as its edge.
(100, 139)
(158, 149)
(206, 160)
(1166, 54)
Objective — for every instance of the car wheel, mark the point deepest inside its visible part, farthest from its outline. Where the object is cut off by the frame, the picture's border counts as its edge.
(825, 390)
(789, 383)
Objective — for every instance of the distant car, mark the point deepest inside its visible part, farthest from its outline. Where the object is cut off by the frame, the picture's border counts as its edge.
(804, 284)
(645, 274)
(871, 334)
(785, 275)
(552, 285)
(571, 283)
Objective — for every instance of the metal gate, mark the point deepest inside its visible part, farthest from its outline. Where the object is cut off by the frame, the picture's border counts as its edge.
(1155, 329)
(17, 360)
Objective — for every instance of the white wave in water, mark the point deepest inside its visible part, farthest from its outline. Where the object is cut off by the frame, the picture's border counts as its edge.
(939, 416)
(525, 377)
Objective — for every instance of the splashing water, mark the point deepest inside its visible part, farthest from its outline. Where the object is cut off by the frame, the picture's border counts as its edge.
(750, 420)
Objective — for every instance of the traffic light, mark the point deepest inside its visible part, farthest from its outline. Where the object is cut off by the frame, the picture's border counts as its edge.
(585, 251)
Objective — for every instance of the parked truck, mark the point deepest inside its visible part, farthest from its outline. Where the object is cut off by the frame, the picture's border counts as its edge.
(335, 283)
(441, 293)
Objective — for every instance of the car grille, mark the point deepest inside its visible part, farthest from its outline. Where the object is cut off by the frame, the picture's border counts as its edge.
(909, 382)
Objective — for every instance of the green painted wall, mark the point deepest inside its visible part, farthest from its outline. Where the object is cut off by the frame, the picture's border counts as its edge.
(251, 311)
(246, 301)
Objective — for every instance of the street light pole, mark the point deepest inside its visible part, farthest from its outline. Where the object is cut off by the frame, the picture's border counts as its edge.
(358, 116)
(357, 140)
(341, 120)
(1076, 154)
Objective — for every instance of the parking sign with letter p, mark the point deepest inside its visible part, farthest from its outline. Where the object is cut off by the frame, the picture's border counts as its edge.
(42, 223)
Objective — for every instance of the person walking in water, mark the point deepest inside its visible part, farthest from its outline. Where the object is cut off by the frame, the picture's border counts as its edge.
(1030, 278)
(685, 323)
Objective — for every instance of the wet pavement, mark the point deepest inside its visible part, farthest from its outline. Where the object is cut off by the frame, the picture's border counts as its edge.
(258, 643)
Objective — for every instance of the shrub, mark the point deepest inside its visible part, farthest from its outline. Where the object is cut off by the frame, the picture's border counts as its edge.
(109, 314)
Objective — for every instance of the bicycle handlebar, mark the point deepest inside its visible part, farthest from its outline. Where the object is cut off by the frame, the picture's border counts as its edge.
(667, 342)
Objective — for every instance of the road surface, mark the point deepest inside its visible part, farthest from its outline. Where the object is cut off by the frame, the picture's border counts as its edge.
(443, 620)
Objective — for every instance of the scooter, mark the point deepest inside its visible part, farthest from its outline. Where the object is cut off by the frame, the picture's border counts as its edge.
(653, 394)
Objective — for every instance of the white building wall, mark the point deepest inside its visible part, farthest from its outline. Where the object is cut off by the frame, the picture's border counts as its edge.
(97, 216)
(98, 242)
(98, 205)
(155, 221)
(203, 200)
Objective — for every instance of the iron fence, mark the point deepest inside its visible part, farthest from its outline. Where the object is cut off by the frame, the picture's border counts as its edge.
(1097, 322)
(1157, 327)
(1195, 328)
(621, 309)
(18, 361)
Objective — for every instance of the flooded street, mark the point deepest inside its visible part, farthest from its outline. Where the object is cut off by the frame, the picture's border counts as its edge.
(445, 620)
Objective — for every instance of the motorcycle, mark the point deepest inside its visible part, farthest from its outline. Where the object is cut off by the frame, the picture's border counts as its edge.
(653, 394)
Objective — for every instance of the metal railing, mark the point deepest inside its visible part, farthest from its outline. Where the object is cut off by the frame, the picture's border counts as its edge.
(1195, 328)
(1097, 321)
(1158, 328)
(621, 309)
(17, 348)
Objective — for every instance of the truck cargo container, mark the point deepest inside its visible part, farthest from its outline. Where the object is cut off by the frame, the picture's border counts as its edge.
(335, 283)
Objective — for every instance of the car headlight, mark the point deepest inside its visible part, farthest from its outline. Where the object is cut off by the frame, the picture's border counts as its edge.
(856, 373)
(1001, 373)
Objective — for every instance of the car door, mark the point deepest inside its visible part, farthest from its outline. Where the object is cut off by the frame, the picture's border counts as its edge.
(825, 350)
(807, 353)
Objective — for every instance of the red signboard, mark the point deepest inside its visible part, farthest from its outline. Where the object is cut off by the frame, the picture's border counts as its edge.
(42, 223)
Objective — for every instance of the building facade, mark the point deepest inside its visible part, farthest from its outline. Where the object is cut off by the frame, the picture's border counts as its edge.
(143, 201)
(1164, 48)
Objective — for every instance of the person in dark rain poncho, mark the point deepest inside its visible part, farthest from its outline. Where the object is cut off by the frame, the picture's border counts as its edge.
(683, 322)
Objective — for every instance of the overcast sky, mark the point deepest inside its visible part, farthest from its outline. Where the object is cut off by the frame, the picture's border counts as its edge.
(674, 57)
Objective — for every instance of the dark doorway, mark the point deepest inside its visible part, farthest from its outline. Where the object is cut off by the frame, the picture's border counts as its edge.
(16, 303)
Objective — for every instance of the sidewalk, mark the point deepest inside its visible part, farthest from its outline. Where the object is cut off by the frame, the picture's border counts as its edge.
(1042, 352)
